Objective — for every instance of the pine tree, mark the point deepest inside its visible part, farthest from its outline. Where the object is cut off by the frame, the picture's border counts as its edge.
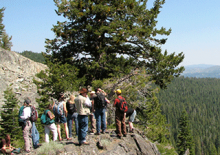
(9, 118)
(5, 40)
(104, 38)
(184, 137)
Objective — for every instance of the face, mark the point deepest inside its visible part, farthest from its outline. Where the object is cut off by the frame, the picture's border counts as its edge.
(84, 94)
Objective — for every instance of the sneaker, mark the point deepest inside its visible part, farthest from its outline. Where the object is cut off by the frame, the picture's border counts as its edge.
(103, 132)
(124, 135)
(97, 133)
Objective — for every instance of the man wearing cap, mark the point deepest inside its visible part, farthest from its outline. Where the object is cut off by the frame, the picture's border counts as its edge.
(83, 104)
(119, 117)
(27, 127)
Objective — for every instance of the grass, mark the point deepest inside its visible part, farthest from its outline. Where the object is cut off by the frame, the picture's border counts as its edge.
(166, 150)
(51, 147)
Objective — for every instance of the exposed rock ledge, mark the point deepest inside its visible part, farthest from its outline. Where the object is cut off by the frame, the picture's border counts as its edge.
(17, 72)
(109, 144)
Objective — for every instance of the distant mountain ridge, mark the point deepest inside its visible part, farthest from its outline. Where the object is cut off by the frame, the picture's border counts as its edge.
(202, 71)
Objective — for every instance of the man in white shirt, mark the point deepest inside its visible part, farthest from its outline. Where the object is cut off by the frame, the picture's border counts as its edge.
(27, 125)
(83, 104)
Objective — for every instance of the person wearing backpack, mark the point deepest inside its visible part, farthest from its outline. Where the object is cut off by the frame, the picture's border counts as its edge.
(25, 114)
(100, 105)
(60, 113)
(121, 109)
(83, 104)
(72, 115)
(47, 119)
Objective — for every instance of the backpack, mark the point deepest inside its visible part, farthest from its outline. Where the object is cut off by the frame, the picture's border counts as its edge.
(58, 108)
(34, 114)
(20, 121)
(99, 101)
(123, 106)
(44, 119)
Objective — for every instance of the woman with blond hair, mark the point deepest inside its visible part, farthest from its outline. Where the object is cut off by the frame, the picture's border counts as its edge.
(72, 115)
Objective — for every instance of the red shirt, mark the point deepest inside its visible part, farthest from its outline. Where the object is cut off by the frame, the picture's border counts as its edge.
(117, 101)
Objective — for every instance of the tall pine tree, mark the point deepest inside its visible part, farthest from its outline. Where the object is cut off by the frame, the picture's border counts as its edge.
(105, 38)
(184, 137)
(5, 40)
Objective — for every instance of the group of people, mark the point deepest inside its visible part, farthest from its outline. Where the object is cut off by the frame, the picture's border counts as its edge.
(81, 109)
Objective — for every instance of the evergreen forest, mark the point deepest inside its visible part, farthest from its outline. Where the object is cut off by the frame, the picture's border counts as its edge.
(200, 97)
(38, 57)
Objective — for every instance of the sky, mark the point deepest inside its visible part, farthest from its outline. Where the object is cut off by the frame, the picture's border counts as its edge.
(195, 27)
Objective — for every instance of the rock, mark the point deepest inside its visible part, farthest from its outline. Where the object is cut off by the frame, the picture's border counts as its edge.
(17, 72)
(105, 144)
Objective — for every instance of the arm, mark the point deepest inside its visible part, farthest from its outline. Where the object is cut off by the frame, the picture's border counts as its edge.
(64, 108)
(88, 102)
(115, 102)
(107, 100)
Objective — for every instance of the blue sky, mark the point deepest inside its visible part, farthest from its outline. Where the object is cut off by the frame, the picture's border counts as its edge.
(195, 27)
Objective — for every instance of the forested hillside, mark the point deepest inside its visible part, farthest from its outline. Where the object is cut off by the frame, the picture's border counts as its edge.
(201, 99)
(37, 57)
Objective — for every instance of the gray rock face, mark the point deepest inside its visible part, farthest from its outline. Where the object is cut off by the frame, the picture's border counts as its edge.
(17, 72)
(108, 144)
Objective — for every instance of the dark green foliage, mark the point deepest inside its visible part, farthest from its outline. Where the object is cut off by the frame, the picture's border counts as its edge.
(106, 38)
(5, 40)
(9, 119)
(1, 20)
(59, 78)
(37, 57)
(184, 137)
(201, 99)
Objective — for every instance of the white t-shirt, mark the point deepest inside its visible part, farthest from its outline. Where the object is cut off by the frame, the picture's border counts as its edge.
(26, 113)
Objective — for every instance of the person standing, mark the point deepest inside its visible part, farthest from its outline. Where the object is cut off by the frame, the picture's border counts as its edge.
(100, 104)
(83, 104)
(49, 124)
(119, 116)
(72, 115)
(61, 117)
(27, 125)
(131, 113)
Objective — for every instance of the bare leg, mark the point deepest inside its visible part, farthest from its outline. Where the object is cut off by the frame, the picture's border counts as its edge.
(66, 130)
(58, 131)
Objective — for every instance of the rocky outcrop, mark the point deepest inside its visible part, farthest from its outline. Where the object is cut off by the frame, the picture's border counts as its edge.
(107, 144)
(17, 72)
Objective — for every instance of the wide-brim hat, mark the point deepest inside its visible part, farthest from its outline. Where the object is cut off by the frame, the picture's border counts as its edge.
(92, 92)
(83, 90)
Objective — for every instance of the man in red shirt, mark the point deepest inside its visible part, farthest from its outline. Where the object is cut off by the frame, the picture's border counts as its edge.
(119, 116)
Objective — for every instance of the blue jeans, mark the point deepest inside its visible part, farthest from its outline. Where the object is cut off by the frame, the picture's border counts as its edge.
(70, 118)
(83, 128)
(100, 119)
(35, 135)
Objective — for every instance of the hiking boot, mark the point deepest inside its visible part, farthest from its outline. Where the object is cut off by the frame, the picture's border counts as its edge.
(119, 137)
(103, 132)
(85, 143)
(97, 133)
